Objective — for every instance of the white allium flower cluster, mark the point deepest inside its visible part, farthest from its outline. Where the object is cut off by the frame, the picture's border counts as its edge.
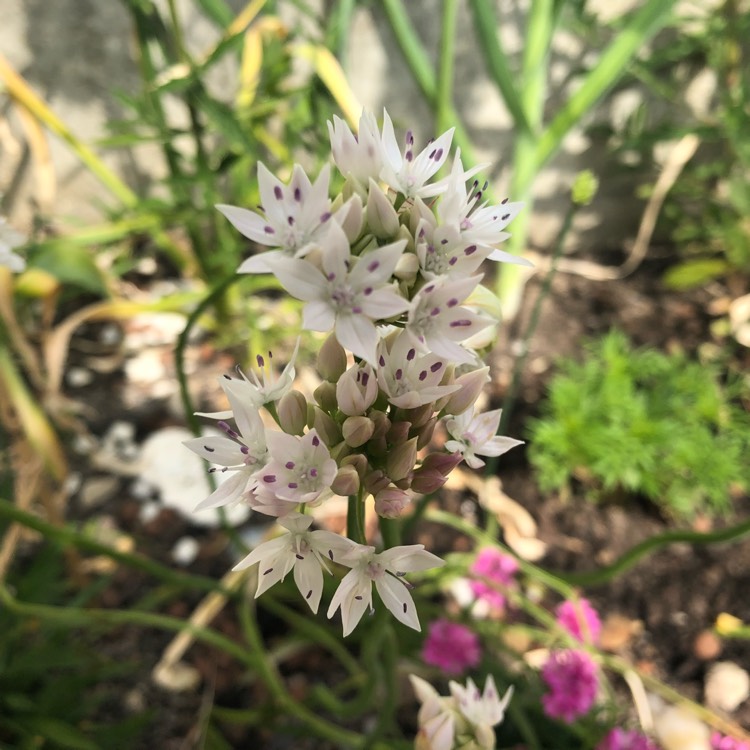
(391, 269)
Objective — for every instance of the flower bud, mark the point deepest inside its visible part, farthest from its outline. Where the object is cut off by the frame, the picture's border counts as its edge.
(390, 502)
(292, 411)
(407, 267)
(418, 416)
(346, 481)
(425, 434)
(399, 433)
(331, 359)
(442, 462)
(382, 218)
(357, 390)
(427, 481)
(377, 447)
(382, 423)
(325, 395)
(401, 460)
(472, 384)
(375, 481)
(357, 430)
(485, 736)
(359, 462)
(326, 428)
(340, 451)
(352, 223)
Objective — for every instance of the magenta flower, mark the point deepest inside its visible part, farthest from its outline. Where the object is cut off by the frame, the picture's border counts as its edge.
(626, 739)
(721, 742)
(572, 681)
(452, 647)
(580, 619)
(499, 569)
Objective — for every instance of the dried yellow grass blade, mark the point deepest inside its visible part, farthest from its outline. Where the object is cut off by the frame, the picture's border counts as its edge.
(334, 78)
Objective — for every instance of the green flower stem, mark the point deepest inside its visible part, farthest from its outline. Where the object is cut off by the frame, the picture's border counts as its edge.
(314, 632)
(355, 517)
(444, 87)
(85, 617)
(65, 535)
(634, 554)
(389, 702)
(390, 530)
(509, 401)
(551, 580)
(284, 701)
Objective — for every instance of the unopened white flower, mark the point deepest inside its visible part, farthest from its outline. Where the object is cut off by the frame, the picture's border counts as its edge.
(436, 717)
(349, 295)
(385, 570)
(295, 216)
(257, 391)
(476, 435)
(358, 156)
(437, 320)
(242, 452)
(409, 174)
(410, 379)
(10, 238)
(300, 469)
(305, 551)
(478, 223)
(357, 390)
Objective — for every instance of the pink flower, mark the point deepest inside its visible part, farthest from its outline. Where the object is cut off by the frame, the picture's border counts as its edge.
(451, 647)
(580, 619)
(572, 681)
(721, 742)
(626, 739)
(499, 569)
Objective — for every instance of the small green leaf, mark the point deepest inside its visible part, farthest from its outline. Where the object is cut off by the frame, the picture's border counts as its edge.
(60, 733)
(70, 264)
(694, 273)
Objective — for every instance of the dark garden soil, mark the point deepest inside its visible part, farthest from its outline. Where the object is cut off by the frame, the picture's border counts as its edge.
(668, 598)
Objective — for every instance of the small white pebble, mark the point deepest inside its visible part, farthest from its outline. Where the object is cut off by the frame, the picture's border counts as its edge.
(727, 686)
(78, 377)
(185, 550)
(149, 511)
(140, 489)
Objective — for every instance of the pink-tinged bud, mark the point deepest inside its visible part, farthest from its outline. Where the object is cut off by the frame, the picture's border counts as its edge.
(375, 481)
(359, 462)
(382, 423)
(442, 462)
(331, 360)
(357, 390)
(426, 481)
(326, 428)
(340, 451)
(352, 223)
(325, 395)
(418, 416)
(292, 411)
(425, 434)
(382, 218)
(403, 484)
(357, 430)
(399, 433)
(401, 460)
(390, 502)
(407, 266)
(472, 384)
(346, 481)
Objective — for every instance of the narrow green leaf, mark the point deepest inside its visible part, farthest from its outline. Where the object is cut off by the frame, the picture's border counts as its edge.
(485, 24)
(60, 733)
(70, 264)
(218, 11)
(695, 273)
(641, 27)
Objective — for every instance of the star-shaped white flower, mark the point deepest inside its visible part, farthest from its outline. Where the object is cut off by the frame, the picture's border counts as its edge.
(300, 469)
(385, 570)
(410, 379)
(242, 452)
(305, 551)
(10, 238)
(476, 435)
(257, 391)
(357, 155)
(294, 216)
(349, 295)
(437, 320)
(479, 224)
(409, 174)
